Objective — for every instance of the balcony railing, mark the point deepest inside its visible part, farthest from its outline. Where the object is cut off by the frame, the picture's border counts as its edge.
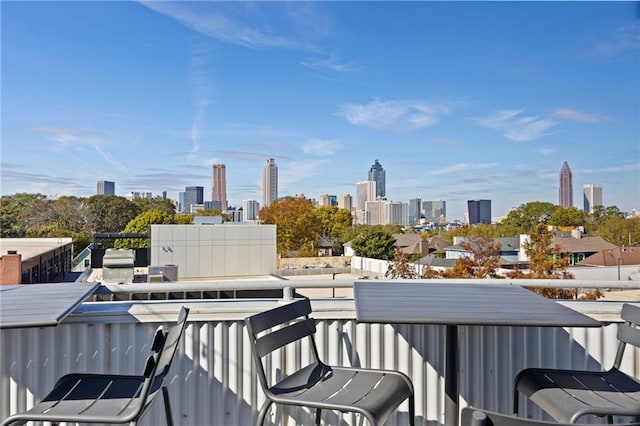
(213, 376)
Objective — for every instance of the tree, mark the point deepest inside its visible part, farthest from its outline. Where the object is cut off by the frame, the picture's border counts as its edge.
(298, 228)
(12, 213)
(183, 218)
(336, 224)
(140, 224)
(158, 203)
(374, 242)
(110, 213)
(570, 216)
(483, 261)
(621, 232)
(525, 218)
(400, 268)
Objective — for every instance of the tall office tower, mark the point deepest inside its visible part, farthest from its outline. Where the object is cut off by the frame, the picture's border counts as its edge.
(269, 183)
(377, 174)
(182, 202)
(592, 196)
(219, 187)
(106, 187)
(365, 191)
(415, 210)
(565, 188)
(479, 211)
(327, 200)
(383, 212)
(398, 213)
(345, 202)
(435, 210)
(251, 210)
(193, 195)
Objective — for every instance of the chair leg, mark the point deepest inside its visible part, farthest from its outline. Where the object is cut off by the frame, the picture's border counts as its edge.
(318, 416)
(515, 401)
(167, 404)
(263, 412)
(412, 411)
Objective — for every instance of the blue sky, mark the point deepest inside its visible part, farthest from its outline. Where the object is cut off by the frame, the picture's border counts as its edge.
(457, 100)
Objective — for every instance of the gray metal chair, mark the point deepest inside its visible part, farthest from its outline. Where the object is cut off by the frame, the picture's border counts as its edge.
(476, 417)
(373, 393)
(110, 398)
(568, 395)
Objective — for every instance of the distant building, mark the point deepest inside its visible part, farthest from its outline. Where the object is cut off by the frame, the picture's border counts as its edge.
(383, 212)
(415, 210)
(565, 187)
(377, 174)
(251, 209)
(219, 186)
(365, 192)
(328, 200)
(106, 187)
(592, 196)
(434, 210)
(182, 200)
(193, 195)
(345, 202)
(269, 183)
(479, 211)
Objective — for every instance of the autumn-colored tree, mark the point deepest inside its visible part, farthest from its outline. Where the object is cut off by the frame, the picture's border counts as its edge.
(400, 267)
(183, 218)
(482, 262)
(298, 228)
(335, 223)
(374, 242)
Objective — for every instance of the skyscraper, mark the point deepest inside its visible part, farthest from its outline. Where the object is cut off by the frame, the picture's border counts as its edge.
(345, 201)
(193, 195)
(377, 174)
(269, 183)
(592, 196)
(106, 187)
(479, 211)
(365, 191)
(565, 188)
(219, 187)
(435, 210)
(415, 210)
(251, 209)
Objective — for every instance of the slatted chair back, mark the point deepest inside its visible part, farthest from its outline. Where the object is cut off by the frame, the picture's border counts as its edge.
(628, 331)
(278, 327)
(477, 417)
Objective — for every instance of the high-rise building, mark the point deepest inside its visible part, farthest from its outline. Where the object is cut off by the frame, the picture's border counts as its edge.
(327, 200)
(106, 187)
(435, 210)
(592, 196)
(383, 212)
(377, 174)
(219, 187)
(415, 210)
(479, 211)
(251, 210)
(365, 191)
(193, 195)
(269, 183)
(345, 201)
(182, 202)
(565, 187)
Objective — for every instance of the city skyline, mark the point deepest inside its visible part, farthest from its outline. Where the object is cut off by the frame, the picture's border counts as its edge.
(457, 100)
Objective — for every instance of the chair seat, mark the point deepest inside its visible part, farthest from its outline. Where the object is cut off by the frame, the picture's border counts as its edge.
(568, 394)
(89, 398)
(344, 389)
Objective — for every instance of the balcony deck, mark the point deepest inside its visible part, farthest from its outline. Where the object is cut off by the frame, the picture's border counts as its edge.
(213, 377)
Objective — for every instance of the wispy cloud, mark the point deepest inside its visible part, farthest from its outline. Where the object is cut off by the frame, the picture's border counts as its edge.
(207, 18)
(614, 169)
(332, 63)
(575, 115)
(292, 172)
(516, 126)
(546, 151)
(463, 167)
(623, 39)
(68, 139)
(405, 115)
(319, 147)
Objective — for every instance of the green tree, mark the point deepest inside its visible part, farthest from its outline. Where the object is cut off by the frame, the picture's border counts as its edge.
(110, 213)
(525, 218)
(298, 228)
(621, 232)
(157, 203)
(12, 213)
(374, 242)
(140, 224)
(183, 218)
(571, 217)
(336, 224)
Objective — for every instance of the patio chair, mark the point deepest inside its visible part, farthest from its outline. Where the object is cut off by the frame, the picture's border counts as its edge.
(568, 395)
(111, 398)
(476, 417)
(373, 393)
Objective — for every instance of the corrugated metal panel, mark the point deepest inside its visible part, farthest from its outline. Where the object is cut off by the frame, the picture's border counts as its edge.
(214, 380)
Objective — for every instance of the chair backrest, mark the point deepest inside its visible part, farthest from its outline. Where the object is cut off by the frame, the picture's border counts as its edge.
(477, 417)
(293, 324)
(164, 346)
(628, 331)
